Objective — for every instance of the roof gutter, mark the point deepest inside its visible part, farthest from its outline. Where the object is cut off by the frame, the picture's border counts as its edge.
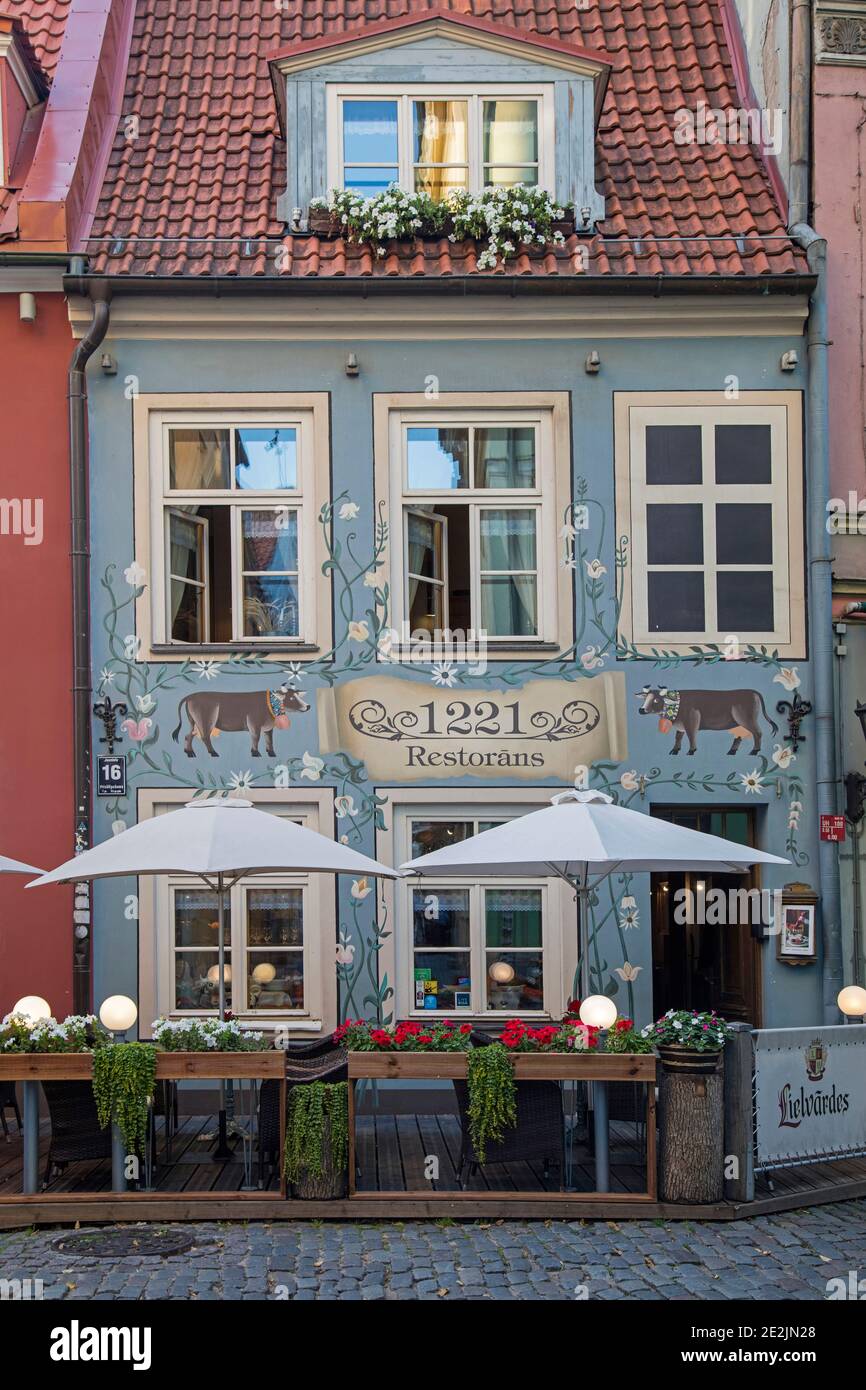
(81, 675)
(465, 286)
(821, 606)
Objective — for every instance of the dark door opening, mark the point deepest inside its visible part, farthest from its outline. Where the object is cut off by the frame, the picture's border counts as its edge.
(703, 964)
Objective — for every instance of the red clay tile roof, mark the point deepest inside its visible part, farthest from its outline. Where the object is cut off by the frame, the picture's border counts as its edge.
(195, 193)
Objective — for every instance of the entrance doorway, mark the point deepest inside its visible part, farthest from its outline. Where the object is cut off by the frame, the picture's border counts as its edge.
(700, 964)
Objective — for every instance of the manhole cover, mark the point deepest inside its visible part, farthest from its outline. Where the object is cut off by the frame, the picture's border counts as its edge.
(113, 1245)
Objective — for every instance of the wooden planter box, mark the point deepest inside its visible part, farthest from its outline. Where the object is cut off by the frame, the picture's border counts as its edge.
(528, 1066)
(170, 1066)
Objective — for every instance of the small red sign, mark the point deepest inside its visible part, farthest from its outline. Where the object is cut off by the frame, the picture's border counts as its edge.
(833, 828)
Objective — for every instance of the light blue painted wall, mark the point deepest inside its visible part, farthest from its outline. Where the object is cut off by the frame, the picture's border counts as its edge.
(791, 996)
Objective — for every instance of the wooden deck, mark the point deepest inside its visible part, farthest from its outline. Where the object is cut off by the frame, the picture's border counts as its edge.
(392, 1151)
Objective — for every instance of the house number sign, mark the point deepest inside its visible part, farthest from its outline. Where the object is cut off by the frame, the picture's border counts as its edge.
(412, 731)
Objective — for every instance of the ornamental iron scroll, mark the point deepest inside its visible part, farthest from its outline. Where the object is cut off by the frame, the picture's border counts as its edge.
(109, 713)
(795, 712)
(483, 719)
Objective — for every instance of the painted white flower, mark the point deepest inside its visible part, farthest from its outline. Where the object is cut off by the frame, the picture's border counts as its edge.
(628, 972)
(788, 677)
(145, 703)
(752, 783)
(344, 839)
(118, 827)
(783, 757)
(595, 569)
(344, 806)
(567, 532)
(361, 889)
(345, 950)
(240, 781)
(135, 575)
(106, 678)
(444, 673)
(293, 672)
(359, 631)
(794, 811)
(349, 511)
(371, 580)
(629, 781)
(630, 913)
(207, 670)
(312, 767)
(590, 659)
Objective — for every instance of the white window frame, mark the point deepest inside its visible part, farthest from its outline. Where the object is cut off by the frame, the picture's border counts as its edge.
(559, 920)
(153, 418)
(406, 93)
(314, 809)
(540, 499)
(782, 411)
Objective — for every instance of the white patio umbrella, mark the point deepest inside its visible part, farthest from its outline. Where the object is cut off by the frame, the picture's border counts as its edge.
(582, 837)
(220, 841)
(14, 866)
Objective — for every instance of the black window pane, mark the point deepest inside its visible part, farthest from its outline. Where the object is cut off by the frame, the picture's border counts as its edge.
(745, 602)
(675, 534)
(676, 601)
(673, 454)
(744, 533)
(743, 454)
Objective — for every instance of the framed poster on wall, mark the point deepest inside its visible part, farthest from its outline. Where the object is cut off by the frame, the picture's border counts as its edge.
(796, 939)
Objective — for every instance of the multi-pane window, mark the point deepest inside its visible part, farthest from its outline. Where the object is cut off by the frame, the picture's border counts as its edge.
(232, 524)
(440, 141)
(476, 948)
(264, 948)
(478, 525)
(714, 524)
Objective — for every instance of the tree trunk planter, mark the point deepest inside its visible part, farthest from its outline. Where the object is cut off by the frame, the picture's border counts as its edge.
(691, 1126)
(330, 1185)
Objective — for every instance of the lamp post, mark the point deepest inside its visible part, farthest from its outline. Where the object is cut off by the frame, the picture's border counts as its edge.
(852, 1002)
(117, 1015)
(597, 1011)
(33, 1008)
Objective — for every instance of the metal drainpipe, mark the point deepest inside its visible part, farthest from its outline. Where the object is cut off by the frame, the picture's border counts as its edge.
(821, 610)
(81, 683)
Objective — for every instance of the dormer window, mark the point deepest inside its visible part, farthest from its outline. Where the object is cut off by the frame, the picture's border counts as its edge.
(440, 140)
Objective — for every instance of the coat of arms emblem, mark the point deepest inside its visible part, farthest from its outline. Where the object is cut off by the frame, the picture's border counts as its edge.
(816, 1059)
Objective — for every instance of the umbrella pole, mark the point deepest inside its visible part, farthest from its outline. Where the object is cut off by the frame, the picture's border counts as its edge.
(222, 1153)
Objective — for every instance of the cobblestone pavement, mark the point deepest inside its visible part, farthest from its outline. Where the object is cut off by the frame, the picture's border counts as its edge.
(790, 1256)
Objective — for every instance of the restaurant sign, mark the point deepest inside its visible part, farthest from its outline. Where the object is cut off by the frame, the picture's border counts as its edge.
(810, 1101)
(406, 730)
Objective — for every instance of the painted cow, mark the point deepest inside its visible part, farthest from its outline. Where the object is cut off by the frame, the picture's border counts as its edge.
(688, 711)
(229, 711)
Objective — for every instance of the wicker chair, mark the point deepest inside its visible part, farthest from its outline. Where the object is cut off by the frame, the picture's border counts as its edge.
(538, 1134)
(8, 1101)
(306, 1062)
(75, 1130)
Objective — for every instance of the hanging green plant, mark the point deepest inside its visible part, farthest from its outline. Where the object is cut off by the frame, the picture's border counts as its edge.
(317, 1130)
(123, 1080)
(492, 1096)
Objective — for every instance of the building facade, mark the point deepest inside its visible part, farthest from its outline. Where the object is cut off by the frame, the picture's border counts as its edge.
(402, 545)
